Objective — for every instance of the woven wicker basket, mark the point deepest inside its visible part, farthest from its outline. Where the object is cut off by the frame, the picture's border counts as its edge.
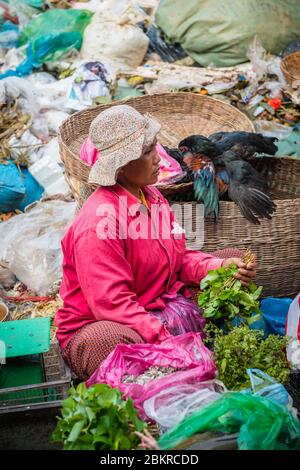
(290, 67)
(180, 114)
(275, 242)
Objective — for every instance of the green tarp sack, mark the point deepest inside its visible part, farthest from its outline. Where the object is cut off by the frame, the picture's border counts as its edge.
(262, 423)
(219, 33)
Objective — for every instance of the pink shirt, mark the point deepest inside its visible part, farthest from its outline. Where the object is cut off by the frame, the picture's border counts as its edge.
(123, 278)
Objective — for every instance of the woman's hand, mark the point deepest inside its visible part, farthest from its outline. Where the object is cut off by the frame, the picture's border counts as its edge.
(147, 440)
(246, 272)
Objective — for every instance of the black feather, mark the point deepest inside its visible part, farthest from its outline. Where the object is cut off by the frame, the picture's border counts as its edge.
(250, 142)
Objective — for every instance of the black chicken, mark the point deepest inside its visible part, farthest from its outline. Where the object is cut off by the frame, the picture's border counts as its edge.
(250, 143)
(247, 188)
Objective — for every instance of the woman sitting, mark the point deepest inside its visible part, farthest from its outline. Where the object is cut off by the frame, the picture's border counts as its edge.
(125, 261)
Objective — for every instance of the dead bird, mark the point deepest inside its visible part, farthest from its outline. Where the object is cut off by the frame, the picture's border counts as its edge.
(246, 187)
(215, 174)
(250, 143)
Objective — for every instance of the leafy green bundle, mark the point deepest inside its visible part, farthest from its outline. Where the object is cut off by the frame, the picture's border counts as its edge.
(243, 348)
(223, 296)
(97, 419)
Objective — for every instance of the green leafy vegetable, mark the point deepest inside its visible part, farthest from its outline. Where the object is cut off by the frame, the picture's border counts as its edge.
(97, 418)
(224, 297)
(243, 348)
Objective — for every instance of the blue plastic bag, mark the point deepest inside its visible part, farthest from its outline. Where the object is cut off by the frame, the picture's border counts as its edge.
(275, 314)
(265, 386)
(9, 35)
(17, 190)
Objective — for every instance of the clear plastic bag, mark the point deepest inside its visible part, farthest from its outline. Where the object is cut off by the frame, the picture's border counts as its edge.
(31, 243)
(174, 404)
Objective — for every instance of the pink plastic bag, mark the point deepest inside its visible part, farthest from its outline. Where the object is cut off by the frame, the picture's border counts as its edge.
(88, 152)
(181, 315)
(185, 352)
(170, 169)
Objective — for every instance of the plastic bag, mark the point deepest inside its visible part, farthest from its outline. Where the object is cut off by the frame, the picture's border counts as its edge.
(18, 188)
(272, 129)
(180, 315)
(114, 37)
(172, 405)
(50, 175)
(158, 45)
(49, 36)
(170, 170)
(291, 145)
(263, 385)
(262, 424)
(9, 35)
(186, 353)
(31, 244)
(293, 332)
(294, 46)
(7, 278)
(23, 11)
(275, 313)
(91, 80)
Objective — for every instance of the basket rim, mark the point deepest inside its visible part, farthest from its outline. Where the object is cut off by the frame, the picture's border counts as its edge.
(285, 66)
(125, 101)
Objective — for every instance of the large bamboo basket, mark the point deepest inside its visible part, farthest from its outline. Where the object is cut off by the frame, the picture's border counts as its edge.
(290, 66)
(180, 114)
(276, 242)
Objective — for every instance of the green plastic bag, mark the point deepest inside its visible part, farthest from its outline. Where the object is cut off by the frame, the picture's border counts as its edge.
(64, 28)
(262, 424)
(219, 33)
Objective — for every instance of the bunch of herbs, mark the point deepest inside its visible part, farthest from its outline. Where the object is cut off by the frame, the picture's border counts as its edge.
(97, 418)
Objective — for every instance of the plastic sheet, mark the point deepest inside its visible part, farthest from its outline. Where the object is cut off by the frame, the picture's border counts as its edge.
(262, 424)
(31, 244)
(186, 353)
